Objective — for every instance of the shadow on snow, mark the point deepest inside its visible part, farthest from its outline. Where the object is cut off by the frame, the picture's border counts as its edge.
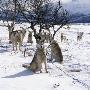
(3, 50)
(23, 73)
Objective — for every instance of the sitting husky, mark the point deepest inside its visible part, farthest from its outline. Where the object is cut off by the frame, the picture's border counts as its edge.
(56, 51)
(39, 57)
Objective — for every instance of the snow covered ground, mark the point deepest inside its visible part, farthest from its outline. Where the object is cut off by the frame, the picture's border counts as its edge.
(73, 74)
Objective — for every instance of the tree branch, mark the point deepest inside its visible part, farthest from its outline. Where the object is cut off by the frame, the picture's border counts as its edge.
(55, 31)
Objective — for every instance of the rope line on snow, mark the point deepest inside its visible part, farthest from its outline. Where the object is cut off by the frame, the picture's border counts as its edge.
(79, 81)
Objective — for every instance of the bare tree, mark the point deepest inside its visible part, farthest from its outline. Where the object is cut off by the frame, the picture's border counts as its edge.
(42, 13)
(46, 16)
(8, 9)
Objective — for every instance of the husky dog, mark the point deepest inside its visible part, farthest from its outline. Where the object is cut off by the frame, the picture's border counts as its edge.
(79, 36)
(10, 29)
(39, 57)
(45, 36)
(63, 37)
(22, 33)
(56, 51)
(30, 37)
(17, 37)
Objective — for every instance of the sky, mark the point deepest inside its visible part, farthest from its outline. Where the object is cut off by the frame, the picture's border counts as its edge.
(66, 1)
(63, 1)
(70, 1)
(77, 6)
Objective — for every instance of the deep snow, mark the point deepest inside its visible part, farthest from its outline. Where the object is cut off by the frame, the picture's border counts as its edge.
(59, 77)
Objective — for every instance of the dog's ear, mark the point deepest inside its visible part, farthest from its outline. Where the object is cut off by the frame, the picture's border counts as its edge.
(38, 37)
